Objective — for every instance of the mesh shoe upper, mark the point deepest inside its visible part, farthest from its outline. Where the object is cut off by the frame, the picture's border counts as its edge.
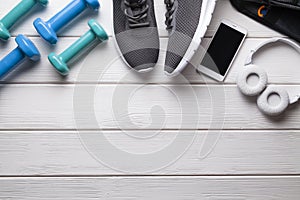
(186, 20)
(136, 33)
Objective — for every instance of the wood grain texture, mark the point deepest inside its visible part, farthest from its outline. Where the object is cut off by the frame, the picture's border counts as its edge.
(42, 156)
(135, 107)
(172, 188)
(61, 153)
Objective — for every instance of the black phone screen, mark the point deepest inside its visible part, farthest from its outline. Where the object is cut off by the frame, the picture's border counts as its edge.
(222, 49)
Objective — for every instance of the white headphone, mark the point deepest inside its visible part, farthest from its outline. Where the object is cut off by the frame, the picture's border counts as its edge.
(261, 89)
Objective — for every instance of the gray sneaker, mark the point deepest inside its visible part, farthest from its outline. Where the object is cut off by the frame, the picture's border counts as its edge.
(187, 21)
(136, 33)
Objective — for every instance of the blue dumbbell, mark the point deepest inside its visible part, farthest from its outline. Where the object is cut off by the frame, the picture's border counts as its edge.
(49, 29)
(25, 49)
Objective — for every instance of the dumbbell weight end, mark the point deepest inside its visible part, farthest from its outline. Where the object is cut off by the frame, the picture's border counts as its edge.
(4, 33)
(59, 64)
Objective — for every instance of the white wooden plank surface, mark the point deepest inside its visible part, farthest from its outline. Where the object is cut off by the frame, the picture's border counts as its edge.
(61, 153)
(37, 136)
(171, 188)
(78, 27)
(171, 107)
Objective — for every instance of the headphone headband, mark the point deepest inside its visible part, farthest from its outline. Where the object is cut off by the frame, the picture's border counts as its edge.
(290, 42)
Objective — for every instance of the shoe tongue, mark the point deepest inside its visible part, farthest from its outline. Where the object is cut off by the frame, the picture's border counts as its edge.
(135, 3)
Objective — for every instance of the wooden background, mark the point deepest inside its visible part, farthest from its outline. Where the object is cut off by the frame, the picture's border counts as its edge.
(42, 156)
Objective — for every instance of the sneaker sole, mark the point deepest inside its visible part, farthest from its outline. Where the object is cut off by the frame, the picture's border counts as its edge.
(205, 19)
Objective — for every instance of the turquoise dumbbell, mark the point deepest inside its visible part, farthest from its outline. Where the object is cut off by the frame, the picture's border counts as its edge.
(15, 14)
(96, 32)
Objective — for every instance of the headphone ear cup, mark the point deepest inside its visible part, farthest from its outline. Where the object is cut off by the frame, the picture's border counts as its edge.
(264, 105)
(247, 89)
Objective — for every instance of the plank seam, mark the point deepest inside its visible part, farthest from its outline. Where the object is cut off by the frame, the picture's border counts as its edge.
(159, 176)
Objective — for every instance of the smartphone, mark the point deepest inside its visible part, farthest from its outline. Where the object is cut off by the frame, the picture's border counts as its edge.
(222, 50)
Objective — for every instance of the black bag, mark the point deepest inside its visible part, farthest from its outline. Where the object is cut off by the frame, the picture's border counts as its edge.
(280, 15)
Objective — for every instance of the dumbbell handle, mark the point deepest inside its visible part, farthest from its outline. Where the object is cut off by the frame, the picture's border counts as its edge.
(10, 61)
(80, 44)
(17, 12)
(67, 14)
